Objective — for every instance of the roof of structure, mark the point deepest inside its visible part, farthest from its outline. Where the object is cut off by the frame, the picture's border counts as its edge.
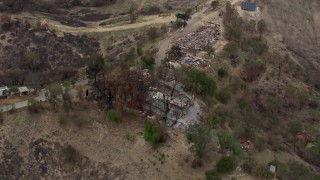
(161, 96)
(180, 100)
(23, 89)
(3, 88)
(248, 6)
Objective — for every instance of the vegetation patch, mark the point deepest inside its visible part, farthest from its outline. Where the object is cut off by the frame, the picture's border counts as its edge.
(152, 133)
(201, 83)
(226, 164)
(113, 116)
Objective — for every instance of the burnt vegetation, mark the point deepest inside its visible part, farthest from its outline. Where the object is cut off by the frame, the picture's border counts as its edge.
(37, 55)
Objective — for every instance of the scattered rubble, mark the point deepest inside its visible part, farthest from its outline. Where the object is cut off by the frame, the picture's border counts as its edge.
(190, 61)
(198, 40)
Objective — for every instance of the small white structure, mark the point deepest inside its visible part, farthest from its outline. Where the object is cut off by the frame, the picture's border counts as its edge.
(4, 92)
(272, 169)
(23, 90)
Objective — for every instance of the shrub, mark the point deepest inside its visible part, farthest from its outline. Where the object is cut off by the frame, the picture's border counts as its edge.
(297, 171)
(226, 165)
(228, 142)
(214, 4)
(63, 118)
(13, 89)
(231, 50)
(252, 70)
(255, 45)
(263, 172)
(34, 106)
(152, 133)
(69, 154)
(242, 103)
(213, 175)
(295, 127)
(223, 96)
(217, 118)
(222, 73)
(139, 51)
(249, 165)
(113, 116)
(261, 143)
(67, 84)
(67, 104)
(148, 62)
(153, 33)
(130, 137)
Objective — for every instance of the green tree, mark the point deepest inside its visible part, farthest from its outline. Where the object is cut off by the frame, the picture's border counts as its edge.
(201, 83)
(226, 164)
(152, 133)
(183, 17)
(200, 137)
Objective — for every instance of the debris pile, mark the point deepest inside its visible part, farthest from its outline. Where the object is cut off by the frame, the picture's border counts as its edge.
(198, 40)
(190, 61)
(245, 144)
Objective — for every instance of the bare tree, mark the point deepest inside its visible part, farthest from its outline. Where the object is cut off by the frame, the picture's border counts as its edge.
(49, 5)
(134, 8)
(262, 27)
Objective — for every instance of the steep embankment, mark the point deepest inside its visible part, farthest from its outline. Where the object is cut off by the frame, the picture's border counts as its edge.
(299, 23)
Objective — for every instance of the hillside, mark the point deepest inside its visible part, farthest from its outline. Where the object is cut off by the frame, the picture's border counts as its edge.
(299, 24)
(169, 89)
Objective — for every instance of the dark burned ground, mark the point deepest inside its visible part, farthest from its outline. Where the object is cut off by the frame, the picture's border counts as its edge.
(34, 56)
(44, 159)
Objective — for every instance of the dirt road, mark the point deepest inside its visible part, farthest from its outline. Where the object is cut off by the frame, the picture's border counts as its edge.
(146, 21)
(197, 20)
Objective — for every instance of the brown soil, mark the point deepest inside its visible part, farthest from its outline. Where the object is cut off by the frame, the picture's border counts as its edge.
(99, 143)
